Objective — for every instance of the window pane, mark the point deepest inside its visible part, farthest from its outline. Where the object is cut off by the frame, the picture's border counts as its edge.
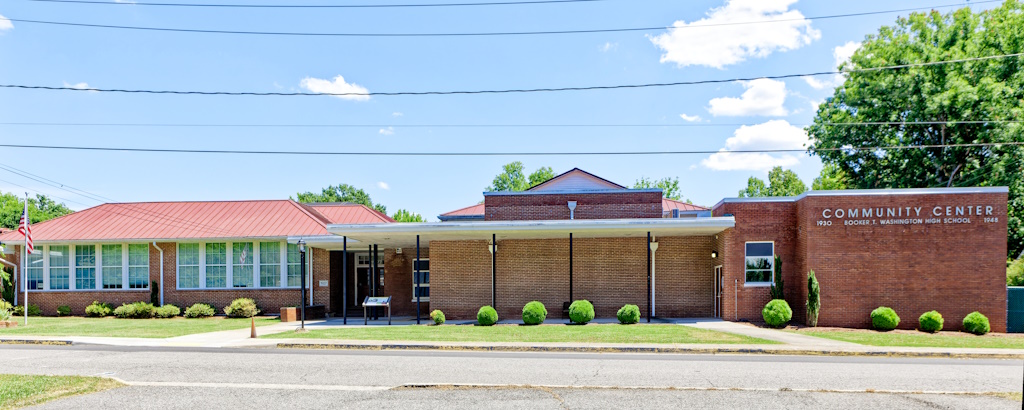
(270, 275)
(759, 263)
(59, 256)
(138, 277)
(270, 252)
(759, 276)
(241, 264)
(216, 276)
(110, 259)
(188, 254)
(759, 249)
(424, 264)
(138, 266)
(294, 265)
(138, 254)
(216, 254)
(424, 278)
(188, 277)
(34, 269)
(85, 267)
(59, 271)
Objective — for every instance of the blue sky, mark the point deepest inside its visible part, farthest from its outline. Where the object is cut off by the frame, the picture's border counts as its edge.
(774, 110)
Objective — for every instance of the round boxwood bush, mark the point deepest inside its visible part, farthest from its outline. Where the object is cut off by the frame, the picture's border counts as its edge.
(884, 319)
(63, 310)
(166, 312)
(437, 316)
(930, 322)
(976, 323)
(199, 310)
(242, 307)
(777, 313)
(534, 313)
(98, 309)
(581, 312)
(137, 310)
(628, 314)
(487, 316)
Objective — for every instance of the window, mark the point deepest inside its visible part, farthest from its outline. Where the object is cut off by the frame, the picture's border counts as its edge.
(138, 265)
(760, 261)
(294, 264)
(85, 267)
(423, 290)
(60, 263)
(188, 266)
(241, 264)
(216, 265)
(270, 264)
(111, 262)
(34, 269)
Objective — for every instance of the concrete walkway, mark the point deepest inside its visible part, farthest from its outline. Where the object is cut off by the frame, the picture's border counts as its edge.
(750, 330)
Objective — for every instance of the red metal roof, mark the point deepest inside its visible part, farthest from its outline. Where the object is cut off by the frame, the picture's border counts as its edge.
(198, 220)
(670, 204)
(477, 209)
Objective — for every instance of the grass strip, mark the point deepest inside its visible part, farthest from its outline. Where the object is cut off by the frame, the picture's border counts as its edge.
(114, 327)
(29, 390)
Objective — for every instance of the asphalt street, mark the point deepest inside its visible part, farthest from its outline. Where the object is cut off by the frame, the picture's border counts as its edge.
(282, 378)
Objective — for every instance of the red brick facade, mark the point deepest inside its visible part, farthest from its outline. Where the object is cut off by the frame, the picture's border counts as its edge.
(625, 204)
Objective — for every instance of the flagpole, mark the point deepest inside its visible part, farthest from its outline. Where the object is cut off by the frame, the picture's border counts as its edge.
(25, 282)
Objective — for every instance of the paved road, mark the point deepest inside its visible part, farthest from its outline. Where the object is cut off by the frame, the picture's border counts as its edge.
(183, 378)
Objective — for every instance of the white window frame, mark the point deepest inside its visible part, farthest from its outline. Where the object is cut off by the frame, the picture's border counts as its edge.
(230, 271)
(771, 260)
(422, 285)
(44, 252)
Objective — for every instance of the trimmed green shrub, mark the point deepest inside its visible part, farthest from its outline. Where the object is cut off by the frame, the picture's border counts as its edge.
(581, 312)
(97, 309)
(534, 313)
(166, 311)
(884, 319)
(6, 305)
(242, 307)
(199, 310)
(813, 299)
(487, 316)
(33, 310)
(437, 316)
(930, 322)
(976, 323)
(63, 310)
(777, 313)
(628, 314)
(137, 310)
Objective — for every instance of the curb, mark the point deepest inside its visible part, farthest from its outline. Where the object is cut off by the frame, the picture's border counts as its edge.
(661, 350)
(35, 342)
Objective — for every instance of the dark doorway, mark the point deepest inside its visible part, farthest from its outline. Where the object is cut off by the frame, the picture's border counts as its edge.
(336, 285)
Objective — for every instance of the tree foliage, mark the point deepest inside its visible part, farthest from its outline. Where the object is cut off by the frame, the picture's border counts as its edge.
(781, 182)
(669, 187)
(813, 299)
(832, 178)
(513, 178)
(403, 215)
(41, 208)
(984, 90)
(341, 193)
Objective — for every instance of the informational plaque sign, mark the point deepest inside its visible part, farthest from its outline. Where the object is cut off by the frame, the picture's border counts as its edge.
(373, 302)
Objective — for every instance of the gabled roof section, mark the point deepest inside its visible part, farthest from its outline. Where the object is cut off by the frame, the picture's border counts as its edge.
(667, 205)
(198, 220)
(577, 180)
(468, 213)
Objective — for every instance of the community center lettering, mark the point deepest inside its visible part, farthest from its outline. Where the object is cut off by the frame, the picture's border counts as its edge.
(909, 215)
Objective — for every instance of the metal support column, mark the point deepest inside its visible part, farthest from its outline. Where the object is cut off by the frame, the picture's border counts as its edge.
(344, 280)
(376, 280)
(302, 268)
(648, 277)
(494, 271)
(417, 279)
(570, 267)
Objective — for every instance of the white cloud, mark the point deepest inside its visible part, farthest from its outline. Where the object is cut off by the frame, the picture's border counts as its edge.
(78, 86)
(771, 135)
(397, 114)
(387, 131)
(763, 97)
(337, 86)
(383, 185)
(5, 24)
(840, 55)
(689, 118)
(722, 42)
(608, 46)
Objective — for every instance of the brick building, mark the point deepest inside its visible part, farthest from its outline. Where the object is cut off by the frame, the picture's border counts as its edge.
(576, 236)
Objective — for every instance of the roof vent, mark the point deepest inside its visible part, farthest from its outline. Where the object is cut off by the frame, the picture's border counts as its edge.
(572, 209)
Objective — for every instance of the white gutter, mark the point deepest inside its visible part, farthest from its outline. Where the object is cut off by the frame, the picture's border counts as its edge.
(161, 273)
(533, 225)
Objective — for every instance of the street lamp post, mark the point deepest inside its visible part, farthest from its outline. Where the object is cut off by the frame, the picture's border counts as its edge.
(302, 263)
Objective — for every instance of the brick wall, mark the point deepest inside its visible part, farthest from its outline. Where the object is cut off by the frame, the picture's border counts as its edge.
(588, 206)
(460, 277)
(398, 281)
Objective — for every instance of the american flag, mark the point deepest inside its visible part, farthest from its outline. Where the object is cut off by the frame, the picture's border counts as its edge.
(25, 229)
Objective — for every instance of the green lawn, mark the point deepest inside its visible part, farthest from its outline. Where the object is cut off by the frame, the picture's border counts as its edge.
(113, 327)
(22, 390)
(920, 339)
(593, 333)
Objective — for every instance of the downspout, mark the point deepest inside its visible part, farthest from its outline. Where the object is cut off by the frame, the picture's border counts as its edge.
(654, 282)
(161, 273)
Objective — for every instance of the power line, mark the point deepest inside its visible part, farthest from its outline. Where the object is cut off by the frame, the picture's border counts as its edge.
(579, 125)
(317, 6)
(480, 154)
(507, 91)
(476, 34)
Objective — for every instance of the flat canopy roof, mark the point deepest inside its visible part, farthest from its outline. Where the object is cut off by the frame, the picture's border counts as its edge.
(403, 235)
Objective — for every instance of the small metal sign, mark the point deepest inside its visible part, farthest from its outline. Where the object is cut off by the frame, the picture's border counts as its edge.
(374, 302)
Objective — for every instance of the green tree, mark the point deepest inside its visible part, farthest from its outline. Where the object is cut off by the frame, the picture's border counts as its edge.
(41, 208)
(832, 178)
(781, 182)
(976, 91)
(403, 215)
(1015, 273)
(513, 178)
(669, 187)
(341, 193)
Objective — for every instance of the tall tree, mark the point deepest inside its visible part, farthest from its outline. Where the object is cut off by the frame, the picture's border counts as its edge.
(967, 100)
(513, 178)
(341, 193)
(832, 178)
(669, 187)
(41, 208)
(781, 182)
(403, 215)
